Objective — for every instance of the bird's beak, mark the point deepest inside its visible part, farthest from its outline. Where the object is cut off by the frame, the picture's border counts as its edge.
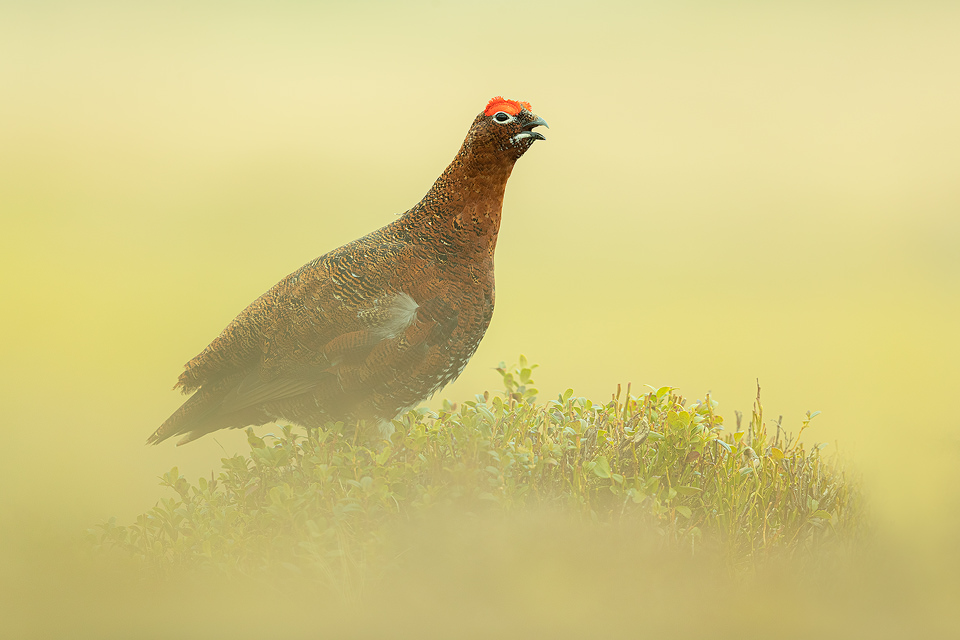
(528, 131)
(536, 123)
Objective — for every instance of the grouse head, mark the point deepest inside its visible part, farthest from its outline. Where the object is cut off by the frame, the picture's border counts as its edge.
(505, 128)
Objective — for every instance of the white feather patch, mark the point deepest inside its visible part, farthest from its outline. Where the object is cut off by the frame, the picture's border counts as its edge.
(399, 313)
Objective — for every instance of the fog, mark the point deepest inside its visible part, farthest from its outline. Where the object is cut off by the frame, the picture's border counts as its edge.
(726, 194)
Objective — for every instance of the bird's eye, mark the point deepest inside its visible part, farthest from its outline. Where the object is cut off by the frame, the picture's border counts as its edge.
(502, 117)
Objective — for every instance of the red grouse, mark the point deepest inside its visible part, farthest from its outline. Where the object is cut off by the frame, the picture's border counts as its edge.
(379, 324)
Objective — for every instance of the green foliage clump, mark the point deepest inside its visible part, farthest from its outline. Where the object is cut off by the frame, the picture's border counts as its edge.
(325, 505)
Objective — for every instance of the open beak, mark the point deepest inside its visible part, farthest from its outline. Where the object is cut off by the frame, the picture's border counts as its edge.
(528, 131)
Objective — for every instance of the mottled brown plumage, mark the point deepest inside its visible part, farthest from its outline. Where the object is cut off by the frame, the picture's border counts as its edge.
(374, 326)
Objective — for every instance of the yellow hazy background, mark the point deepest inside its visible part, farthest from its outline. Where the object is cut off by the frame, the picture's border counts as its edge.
(728, 192)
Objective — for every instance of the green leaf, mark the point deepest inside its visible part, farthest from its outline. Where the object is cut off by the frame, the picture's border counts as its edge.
(688, 491)
(254, 441)
(601, 467)
(684, 511)
(678, 419)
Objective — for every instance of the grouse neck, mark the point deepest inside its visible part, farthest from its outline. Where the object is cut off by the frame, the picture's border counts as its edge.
(467, 198)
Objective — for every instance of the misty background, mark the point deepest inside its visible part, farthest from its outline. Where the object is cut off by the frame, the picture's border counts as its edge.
(726, 193)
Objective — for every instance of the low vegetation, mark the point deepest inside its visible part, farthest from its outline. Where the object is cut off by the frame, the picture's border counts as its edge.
(327, 505)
